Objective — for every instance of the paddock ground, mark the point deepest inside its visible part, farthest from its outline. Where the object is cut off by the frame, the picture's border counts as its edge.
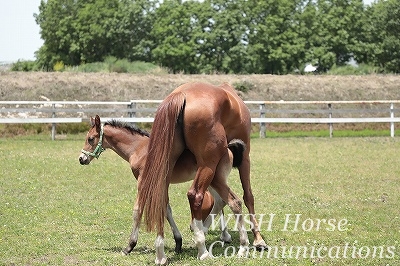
(57, 212)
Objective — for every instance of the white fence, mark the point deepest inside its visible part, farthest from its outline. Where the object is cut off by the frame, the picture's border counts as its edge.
(263, 112)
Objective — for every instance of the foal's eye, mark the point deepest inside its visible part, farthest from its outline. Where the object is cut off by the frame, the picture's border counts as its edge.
(90, 139)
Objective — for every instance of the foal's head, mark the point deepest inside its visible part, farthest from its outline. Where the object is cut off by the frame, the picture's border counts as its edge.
(93, 143)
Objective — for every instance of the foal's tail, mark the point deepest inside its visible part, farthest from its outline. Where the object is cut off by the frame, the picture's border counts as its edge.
(152, 187)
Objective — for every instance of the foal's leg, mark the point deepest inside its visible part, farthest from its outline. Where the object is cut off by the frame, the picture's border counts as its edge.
(222, 172)
(235, 204)
(225, 236)
(175, 230)
(161, 258)
(135, 230)
(217, 209)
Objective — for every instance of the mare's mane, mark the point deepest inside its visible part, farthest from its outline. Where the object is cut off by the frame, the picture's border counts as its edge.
(127, 126)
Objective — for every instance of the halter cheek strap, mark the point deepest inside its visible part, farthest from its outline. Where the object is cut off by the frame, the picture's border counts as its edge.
(99, 148)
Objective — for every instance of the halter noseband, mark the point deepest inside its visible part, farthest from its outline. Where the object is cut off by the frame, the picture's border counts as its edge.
(99, 148)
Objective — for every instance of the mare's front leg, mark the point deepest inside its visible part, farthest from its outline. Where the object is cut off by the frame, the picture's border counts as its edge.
(161, 258)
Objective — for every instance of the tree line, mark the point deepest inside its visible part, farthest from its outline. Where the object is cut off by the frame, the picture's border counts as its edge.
(221, 36)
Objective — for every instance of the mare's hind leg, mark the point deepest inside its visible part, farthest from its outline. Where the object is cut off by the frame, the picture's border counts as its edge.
(244, 172)
(207, 163)
(195, 195)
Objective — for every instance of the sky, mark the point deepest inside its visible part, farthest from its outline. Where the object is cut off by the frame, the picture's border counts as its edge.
(19, 33)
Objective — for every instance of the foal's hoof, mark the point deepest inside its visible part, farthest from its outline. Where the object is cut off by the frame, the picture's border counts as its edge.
(178, 246)
(178, 250)
(226, 238)
(124, 252)
(127, 250)
(162, 261)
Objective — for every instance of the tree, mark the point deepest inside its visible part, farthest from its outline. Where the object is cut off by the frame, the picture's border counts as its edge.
(338, 26)
(174, 36)
(380, 44)
(55, 19)
(223, 36)
(224, 40)
(275, 45)
(79, 31)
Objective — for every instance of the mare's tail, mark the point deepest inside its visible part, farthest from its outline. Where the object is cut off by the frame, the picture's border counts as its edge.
(152, 188)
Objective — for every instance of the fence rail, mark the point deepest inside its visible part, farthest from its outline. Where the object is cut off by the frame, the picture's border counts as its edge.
(263, 112)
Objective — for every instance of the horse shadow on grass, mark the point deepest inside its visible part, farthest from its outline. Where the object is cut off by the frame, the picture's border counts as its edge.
(189, 250)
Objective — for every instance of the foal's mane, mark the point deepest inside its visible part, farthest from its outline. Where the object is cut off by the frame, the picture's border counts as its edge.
(127, 126)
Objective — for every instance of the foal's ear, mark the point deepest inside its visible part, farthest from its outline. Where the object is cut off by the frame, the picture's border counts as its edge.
(92, 121)
(97, 122)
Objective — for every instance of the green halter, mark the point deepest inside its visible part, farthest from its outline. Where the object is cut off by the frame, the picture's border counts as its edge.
(99, 148)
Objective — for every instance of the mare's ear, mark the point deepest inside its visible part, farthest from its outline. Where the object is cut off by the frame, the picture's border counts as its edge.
(97, 123)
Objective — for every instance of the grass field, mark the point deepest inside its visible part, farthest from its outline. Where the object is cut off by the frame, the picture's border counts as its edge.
(54, 211)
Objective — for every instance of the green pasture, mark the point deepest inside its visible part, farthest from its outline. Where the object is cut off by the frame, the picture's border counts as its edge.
(54, 211)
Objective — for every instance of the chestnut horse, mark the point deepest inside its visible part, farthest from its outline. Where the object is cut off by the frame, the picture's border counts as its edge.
(131, 144)
(203, 119)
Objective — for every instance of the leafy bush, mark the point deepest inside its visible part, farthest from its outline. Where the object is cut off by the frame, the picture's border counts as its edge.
(59, 66)
(12, 130)
(24, 66)
(112, 64)
(361, 69)
(243, 86)
(72, 128)
(120, 66)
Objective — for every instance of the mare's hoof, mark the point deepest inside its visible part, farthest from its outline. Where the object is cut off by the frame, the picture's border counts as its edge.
(260, 245)
(205, 255)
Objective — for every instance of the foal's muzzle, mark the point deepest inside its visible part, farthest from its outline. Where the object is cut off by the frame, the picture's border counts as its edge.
(84, 159)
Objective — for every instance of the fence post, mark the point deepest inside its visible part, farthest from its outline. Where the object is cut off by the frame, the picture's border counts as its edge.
(53, 125)
(132, 105)
(392, 123)
(262, 124)
(330, 124)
